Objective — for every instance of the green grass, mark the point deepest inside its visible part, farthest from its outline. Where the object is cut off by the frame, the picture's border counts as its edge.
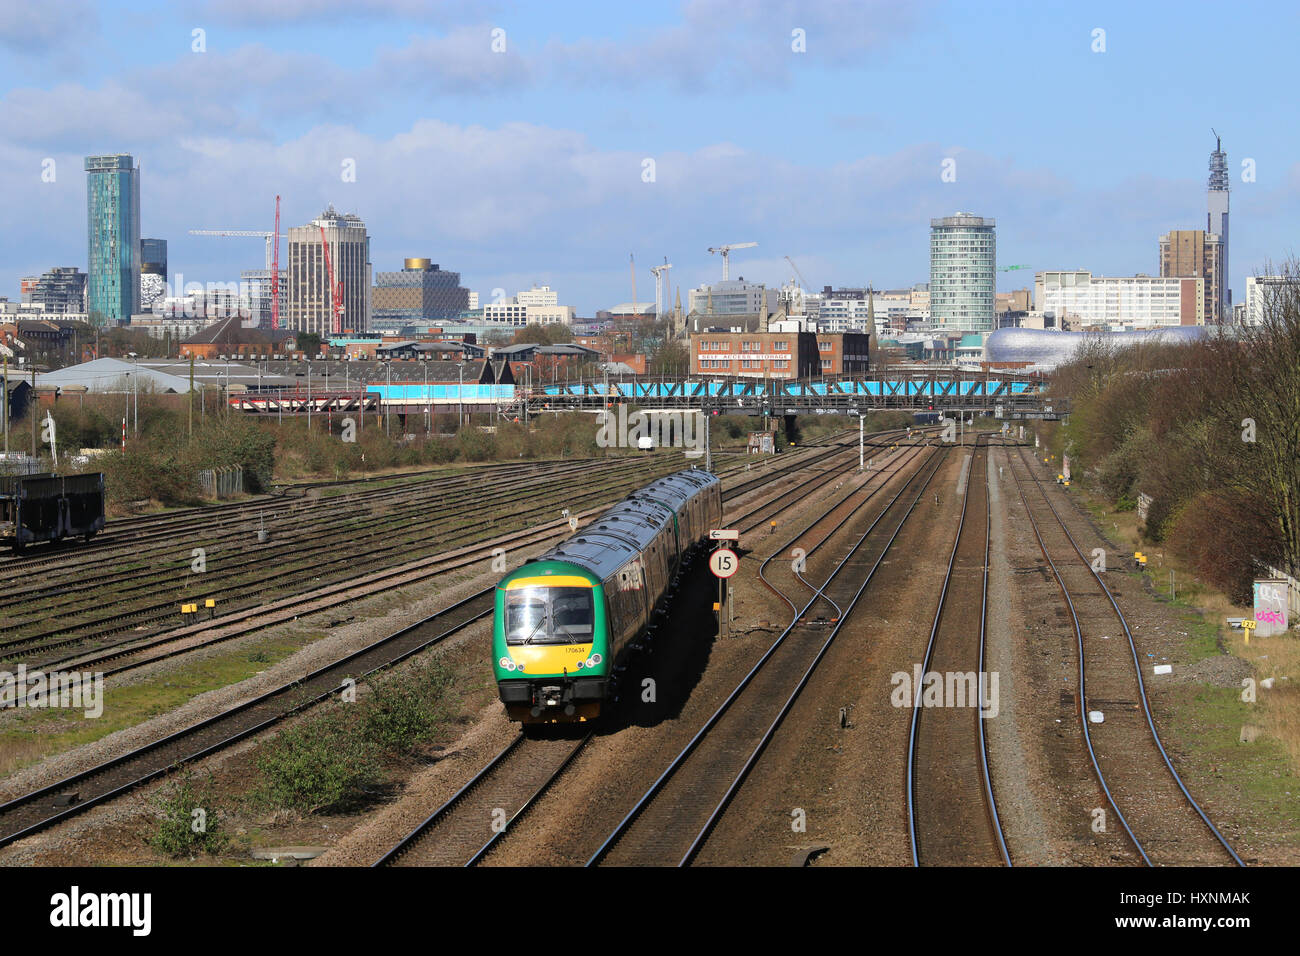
(1256, 776)
(31, 735)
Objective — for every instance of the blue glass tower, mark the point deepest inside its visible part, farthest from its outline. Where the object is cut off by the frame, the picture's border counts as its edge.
(113, 230)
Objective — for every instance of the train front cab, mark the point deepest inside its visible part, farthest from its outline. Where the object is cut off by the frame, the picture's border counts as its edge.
(549, 639)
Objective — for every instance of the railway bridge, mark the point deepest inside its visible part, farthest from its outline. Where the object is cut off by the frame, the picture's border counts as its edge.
(932, 390)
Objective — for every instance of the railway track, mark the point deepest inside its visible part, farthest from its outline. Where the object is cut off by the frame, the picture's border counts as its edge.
(672, 820)
(35, 811)
(243, 583)
(30, 813)
(1141, 786)
(521, 773)
(811, 547)
(463, 830)
(123, 535)
(952, 815)
(131, 653)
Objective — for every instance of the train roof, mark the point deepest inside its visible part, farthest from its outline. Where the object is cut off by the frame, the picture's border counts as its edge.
(628, 527)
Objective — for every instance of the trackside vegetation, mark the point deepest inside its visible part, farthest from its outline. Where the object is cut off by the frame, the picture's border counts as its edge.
(1210, 431)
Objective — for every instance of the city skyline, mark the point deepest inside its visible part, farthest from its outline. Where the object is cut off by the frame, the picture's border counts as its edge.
(478, 164)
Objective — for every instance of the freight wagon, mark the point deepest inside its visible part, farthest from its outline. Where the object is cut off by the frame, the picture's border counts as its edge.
(50, 507)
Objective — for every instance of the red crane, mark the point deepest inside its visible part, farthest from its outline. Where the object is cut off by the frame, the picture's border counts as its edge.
(275, 270)
(336, 290)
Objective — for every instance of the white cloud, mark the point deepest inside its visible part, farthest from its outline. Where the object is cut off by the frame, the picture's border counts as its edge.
(34, 29)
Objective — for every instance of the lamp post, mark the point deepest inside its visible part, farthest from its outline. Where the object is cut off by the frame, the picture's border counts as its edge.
(388, 401)
(309, 396)
(135, 395)
(460, 398)
(428, 402)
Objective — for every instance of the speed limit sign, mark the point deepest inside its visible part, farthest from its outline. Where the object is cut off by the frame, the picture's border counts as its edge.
(724, 563)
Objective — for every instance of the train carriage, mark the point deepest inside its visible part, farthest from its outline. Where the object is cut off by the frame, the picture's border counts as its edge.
(563, 621)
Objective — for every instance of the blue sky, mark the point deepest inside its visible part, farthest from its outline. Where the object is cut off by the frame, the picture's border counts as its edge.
(527, 166)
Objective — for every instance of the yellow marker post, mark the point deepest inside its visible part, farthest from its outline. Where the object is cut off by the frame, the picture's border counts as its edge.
(1246, 628)
(209, 603)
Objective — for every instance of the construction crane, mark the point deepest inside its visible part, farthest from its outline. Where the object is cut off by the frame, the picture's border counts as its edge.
(631, 269)
(336, 291)
(1010, 268)
(726, 253)
(242, 234)
(660, 273)
(802, 281)
(272, 240)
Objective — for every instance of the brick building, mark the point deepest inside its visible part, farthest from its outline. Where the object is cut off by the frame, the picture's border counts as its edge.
(788, 355)
(843, 353)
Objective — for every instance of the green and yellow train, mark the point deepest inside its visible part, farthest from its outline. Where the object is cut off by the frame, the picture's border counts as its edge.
(564, 622)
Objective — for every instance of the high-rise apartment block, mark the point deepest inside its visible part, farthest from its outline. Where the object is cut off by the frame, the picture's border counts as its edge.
(255, 284)
(61, 290)
(963, 272)
(113, 231)
(310, 299)
(1193, 253)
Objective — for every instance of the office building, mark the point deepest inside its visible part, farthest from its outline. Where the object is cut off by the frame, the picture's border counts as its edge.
(1191, 252)
(153, 257)
(1120, 302)
(310, 301)
(113, 232)
(1265, 295)
(537, 306)
(963, 272)
(734, 297)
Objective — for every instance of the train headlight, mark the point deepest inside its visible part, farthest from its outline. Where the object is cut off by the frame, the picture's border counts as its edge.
(578, 666)
(593, 660)
(506, 663)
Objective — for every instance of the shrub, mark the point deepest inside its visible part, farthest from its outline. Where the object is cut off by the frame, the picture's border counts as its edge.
(408, 707)
(315, 765)
(189, 821)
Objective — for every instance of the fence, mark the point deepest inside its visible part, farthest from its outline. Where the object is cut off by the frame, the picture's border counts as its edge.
(19, 464)
(222, 482)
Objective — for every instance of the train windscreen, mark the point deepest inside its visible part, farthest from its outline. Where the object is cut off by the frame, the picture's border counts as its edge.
(558, 615)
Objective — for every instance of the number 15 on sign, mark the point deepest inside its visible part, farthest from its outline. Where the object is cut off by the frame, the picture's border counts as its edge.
(724, 563)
